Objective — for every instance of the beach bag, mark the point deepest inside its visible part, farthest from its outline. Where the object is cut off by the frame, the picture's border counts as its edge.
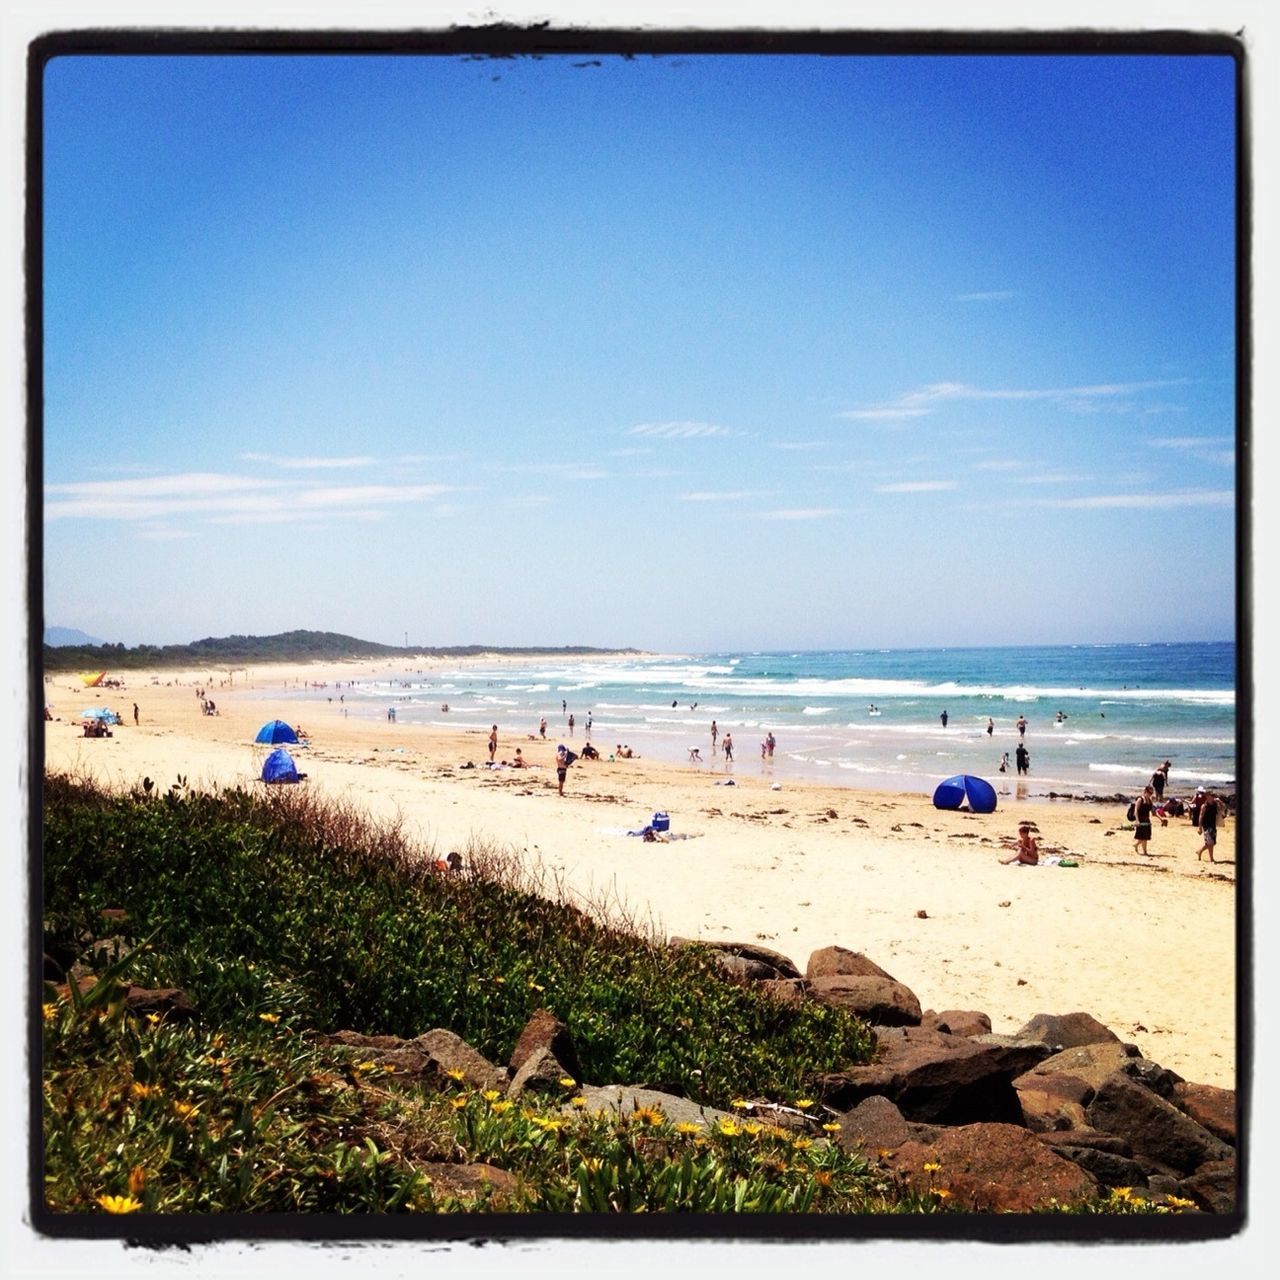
(1131, 814)
(661, 822)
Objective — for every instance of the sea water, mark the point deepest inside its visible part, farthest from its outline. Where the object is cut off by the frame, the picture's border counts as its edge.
(1099, 718)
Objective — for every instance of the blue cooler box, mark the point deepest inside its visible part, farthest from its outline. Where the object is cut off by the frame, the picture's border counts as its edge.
(661, 822)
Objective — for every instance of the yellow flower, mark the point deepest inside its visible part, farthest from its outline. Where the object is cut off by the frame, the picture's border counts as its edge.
(389, 1067)
(802, 1144)
(453, 1073)
(360, 1066)
(153, 1018)
(687, 1126)
(50, 1011)
(884, 1153)
(729, 1129)
(931, 1166)
(1122, 1193)
(592, 1164)
(823, 1177)
(567, 1082)
(184, 1109)
(753, 1127)
(499, 978)
(739, 1104)
(1177, 1202)
(832, 1127)
(459, 1102)
(120, 1204)
(649, 1115)
(505, 1105)
(547, 1123)
(274, 1017)
(143, 1090)
(942, 1193)
(533, 986)
(491, 1095)
(804, 1103)
(579, 1101)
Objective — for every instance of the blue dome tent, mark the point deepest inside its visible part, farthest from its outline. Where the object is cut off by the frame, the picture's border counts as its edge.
(276, 731)
(953, 792)
(279, 767)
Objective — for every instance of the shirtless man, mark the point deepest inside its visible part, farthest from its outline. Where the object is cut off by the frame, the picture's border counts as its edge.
(493, 743)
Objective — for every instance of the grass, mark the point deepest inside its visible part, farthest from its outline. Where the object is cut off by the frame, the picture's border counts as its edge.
(282, 916)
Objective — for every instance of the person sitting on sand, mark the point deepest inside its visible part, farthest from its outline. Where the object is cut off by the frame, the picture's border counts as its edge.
(1027, 853)
(590, 753)
(519, 761)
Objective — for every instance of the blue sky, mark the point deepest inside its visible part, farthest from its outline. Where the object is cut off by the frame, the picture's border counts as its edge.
(686, 353)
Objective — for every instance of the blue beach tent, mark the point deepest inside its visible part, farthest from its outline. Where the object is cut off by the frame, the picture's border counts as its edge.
(279, 767)
(953, 792)
(276, 731)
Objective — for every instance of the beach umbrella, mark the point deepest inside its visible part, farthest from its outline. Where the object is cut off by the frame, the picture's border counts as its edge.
(953, 792)
(279, 767)
(99, 713)
(276, 731)
(91, 679)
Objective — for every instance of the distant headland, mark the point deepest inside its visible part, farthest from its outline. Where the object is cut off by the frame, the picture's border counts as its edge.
(288, 646)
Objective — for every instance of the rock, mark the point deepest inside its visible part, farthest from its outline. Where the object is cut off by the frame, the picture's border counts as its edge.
(781, 966)
(1153, 1127)
(832, 961)
(171, 1003)
(936, 1078)
(1091, 1063)
(957, 1022)
(1067, 1030)
(541, 1072)
(1065, 1087)
(1086, 1137)
(1105, 1167)
(545, 1031)
(1213, 1186)
(877, 1000)
(784, 990)
(874, 1125)
(354, 1040)
(1044, 1112)
(495, 1186)
(450, 1052)
(1211, 1107)
(746, 968)
(992, 1168)
(1160, 1080)
(622, 1099)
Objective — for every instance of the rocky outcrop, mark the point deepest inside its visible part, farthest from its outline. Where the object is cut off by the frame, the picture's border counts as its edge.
(744, 959)
(1067, 1030)
(1213, 1108)
(435, 1056)
(957, 1022)
(880, 1001)
(831, 962)
(545, 1031)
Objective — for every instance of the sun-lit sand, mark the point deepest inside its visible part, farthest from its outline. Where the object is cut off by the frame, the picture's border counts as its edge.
(1147, 945)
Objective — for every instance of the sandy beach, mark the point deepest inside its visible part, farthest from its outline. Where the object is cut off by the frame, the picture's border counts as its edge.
(796, 867)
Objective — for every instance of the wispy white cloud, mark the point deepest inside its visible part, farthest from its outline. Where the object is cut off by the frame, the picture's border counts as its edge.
(706, 495)
(801, 513)
(632, 452)
(924, 400)
(306, 464)
(917, 486)
(564, 470)
(798, 444)
(1217, 449)
(214, 496)
(679, 430)
(1158, 501)
(999, 464)
(986, 295)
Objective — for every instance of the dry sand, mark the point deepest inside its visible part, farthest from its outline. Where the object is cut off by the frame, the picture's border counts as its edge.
(1147, 945)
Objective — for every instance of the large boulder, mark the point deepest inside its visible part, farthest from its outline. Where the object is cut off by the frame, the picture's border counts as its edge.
(545, 1031)
(937, 1078)
(1209, 1106)
(540, 1072)
(1067, 1030)
(874, 1125)
(874, 999)
(450, 1052)
(1090, 1063)
(991, 1168)
(830, 962)
(1213, 1186)
(429, 1057)
(1153, 1127)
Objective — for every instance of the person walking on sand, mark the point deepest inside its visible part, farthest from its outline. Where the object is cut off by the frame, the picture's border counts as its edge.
(727, 747)
(135, 713)
(562, 765)
(1027, 853)
(714, 734)
(571, 726)
(1142, 808)
(493, 743)
(542, 726)
(991, 726)
(1207, 825)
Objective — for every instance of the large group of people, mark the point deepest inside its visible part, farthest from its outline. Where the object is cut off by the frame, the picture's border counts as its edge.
(1205, 810)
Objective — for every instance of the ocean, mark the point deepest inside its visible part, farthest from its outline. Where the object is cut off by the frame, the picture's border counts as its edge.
(1099, 718)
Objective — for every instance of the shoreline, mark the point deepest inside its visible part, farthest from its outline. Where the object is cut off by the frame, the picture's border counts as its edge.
(794, 865)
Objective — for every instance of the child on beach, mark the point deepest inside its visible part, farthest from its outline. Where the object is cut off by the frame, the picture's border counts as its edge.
(1027, 853)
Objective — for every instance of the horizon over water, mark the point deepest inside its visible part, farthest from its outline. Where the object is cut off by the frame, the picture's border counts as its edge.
(1126, 708)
